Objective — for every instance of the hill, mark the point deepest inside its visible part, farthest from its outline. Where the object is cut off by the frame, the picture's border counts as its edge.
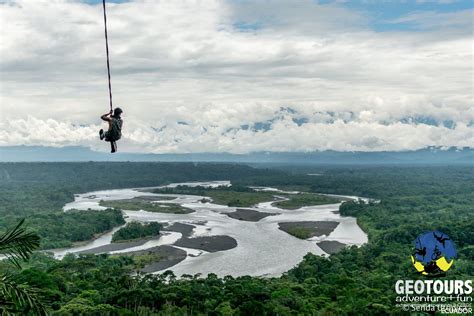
(429, 155)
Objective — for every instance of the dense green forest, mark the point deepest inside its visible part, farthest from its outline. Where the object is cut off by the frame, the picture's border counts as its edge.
(59, 229)
(355, 281)
(38, 191)
(135, 230)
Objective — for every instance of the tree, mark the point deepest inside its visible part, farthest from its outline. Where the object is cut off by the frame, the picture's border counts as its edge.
(17, 244)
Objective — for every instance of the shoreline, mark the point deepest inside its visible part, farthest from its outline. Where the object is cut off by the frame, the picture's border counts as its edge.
(117, 246)
(249, 215)
(208, 243)
(331, 246)
(169, 256)
(308, 229)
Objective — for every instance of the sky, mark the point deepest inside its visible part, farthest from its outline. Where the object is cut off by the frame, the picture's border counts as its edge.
(239, 76)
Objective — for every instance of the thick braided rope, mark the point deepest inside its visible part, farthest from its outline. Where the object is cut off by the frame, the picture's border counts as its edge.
(107, 51)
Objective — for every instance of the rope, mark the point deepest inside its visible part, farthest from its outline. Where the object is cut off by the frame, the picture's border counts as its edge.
(107, 51)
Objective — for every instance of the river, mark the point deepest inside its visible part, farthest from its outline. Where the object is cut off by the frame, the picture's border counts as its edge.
(262, 248)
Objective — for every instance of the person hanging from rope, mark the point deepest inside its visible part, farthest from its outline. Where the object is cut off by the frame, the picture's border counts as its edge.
(114, 133)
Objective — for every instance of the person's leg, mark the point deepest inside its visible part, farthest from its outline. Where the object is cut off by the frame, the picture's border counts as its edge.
(113, 147)
(107, 136)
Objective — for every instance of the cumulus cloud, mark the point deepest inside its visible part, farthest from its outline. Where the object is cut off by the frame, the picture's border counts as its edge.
(234, 76)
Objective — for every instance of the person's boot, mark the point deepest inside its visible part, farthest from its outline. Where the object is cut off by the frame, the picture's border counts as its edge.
(101, 134)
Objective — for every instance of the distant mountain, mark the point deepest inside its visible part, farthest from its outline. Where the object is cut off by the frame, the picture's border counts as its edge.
(423, 156)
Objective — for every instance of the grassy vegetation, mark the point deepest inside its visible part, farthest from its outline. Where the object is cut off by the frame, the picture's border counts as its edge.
(144, 258)
(137, 204)
(300, 232)
(136, 230)
(294, 187)
(240, 199)
(235, 197)
(299, 200)
(308, 229)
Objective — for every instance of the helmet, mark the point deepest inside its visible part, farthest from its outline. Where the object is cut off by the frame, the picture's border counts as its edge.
(118, 111)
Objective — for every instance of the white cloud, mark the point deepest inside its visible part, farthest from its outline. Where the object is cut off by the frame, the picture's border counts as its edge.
(283, 135)
(220, 65)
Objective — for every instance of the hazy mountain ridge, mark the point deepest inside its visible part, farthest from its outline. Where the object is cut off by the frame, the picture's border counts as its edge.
(423, 156)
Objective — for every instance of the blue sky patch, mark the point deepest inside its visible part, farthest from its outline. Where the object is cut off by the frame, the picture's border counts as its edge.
(243, 26)
(382, 14)
(300, 121)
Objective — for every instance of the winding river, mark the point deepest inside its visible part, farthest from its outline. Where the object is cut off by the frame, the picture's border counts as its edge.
(262, 248)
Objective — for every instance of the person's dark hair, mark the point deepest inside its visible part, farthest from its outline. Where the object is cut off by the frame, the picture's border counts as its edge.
(117, 112)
